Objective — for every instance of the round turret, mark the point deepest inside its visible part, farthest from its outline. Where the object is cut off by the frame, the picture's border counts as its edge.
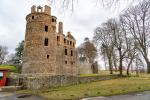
(39, 52)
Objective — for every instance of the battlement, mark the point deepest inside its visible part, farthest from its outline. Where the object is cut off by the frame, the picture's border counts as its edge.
(46, 9)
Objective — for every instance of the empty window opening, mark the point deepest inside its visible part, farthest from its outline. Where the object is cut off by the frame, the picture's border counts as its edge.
(71, 62)
(64, 40)
(65, 62)
(73, 45)
(53, 20)
(70, 42)
(46, 28)
(67, 42)
(46, 42)
(65, 51)
(58, 38)
(39, 9)
(47, 56)
(71, 53)
(32, 17)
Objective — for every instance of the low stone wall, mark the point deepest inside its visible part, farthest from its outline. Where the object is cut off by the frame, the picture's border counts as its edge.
(89, 79)
(46, 81)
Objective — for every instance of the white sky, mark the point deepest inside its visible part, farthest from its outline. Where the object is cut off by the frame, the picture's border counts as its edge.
(81, 22)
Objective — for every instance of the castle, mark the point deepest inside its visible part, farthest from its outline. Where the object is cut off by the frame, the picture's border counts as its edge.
(47, 51)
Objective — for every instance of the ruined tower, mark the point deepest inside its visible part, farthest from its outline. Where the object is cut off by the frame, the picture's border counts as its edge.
(47, 51)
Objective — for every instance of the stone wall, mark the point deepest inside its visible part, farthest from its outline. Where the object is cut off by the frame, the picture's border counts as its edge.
(46, 81)
(89, 79)
(84, 68)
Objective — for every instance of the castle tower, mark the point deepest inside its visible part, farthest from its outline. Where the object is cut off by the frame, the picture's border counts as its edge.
(39, 52)
(47, 51)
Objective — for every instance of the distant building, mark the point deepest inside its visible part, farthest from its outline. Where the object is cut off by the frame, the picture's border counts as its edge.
(47, 51)
(85, 67)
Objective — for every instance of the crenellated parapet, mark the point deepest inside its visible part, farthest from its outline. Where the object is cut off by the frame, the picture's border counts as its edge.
(39, 9)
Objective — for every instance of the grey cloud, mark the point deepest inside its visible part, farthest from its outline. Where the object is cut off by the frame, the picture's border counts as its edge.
(81, 22)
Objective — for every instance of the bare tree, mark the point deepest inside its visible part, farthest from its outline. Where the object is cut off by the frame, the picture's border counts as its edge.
(90, 50)
(138, 22)
(65, 4)
(120, 41)
(139, 64)
(80, 52)
(3, 54)
(106, 3)
(87, 51)
(104, 38)
(115, 60)
(115, 43)
(130, 44)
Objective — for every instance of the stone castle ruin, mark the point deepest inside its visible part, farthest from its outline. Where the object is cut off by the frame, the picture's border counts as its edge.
(47, 51)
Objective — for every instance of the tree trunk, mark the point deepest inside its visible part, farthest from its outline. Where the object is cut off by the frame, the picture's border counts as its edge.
(116, 69)
(120, 67)
(128, 68)
(115, 65)
(120, 62)
(128, 71)
(148, 67)
(110, 66)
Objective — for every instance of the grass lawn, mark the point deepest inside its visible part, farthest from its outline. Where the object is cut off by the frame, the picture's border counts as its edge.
(101, 88)
(104, 73)
(12, 68)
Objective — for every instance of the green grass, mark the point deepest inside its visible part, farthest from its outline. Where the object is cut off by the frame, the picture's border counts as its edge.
(11, 68)
(104, 73)
(101, 88)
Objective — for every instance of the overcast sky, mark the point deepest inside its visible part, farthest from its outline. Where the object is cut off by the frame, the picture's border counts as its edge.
(86, 16)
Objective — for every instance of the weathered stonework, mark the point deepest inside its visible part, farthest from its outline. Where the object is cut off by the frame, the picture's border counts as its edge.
(47, 51)
(37, 81)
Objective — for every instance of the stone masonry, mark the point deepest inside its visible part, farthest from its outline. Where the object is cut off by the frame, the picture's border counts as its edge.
(46, 50)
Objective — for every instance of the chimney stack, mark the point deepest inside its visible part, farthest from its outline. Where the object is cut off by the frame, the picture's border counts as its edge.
(60, 30)
(47, 10)
(33, 9)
